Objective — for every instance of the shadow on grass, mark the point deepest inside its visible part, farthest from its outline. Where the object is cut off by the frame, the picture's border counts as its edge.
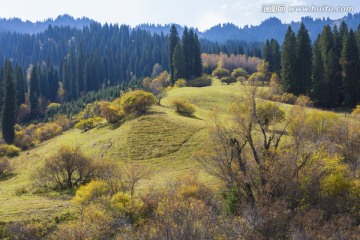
(6, 176)
(189, 115)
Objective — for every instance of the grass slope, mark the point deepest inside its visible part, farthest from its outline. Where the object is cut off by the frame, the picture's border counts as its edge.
(163, 141)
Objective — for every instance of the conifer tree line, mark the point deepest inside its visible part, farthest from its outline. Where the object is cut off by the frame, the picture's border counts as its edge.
(91, 58)
(328, 70)
(12, 87)
(236, 47)
(184, 55)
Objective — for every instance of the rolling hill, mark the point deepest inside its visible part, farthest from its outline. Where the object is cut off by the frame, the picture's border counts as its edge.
(162, 140)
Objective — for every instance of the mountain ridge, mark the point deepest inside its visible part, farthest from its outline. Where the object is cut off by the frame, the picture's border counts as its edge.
(269, 28)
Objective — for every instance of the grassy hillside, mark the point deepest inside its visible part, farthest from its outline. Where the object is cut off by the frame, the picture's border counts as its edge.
(163, 141)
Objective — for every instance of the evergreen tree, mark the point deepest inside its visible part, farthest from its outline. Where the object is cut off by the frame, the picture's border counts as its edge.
(276, 56)
(337, 43)
(9, 107)
(80, 68)
(358, 37)
(1, 87)
(317, 72)
(303, 62)
(34, 92)
(66, 77)
(268, 56)
(197, 70)
(328, 54)
(20, 84)
(173, 41)
(74, 90)
(288, 62)
(53, 80)
(350, 70)
(44, 83)
(186, 48)
(178, 62)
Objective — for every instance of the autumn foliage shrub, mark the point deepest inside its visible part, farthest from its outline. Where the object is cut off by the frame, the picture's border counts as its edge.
(180, 83)
(5, 167)
(9, 150)
(137, 102)
(182, 106)
(111, 113)
(47, 131)
(67, 169)
(87, 124)
(63, 121)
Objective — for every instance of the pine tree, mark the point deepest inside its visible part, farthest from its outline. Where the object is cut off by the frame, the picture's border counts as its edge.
(173, 41)
(197, 58)
(44, 83)
(358, 37)
(186, 48)
(178, 62)
(268, 56)
(53, 80)
(1, 86)
(66, 77)
(350, 70)
(338, 45)
(303, 62)
(34, 92)
(20, 84)
(317, 73)
(9, 108)
(328, 54)
(288, 61)
(276, 56)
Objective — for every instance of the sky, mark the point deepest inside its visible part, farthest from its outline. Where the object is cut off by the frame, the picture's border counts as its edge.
(201, 14)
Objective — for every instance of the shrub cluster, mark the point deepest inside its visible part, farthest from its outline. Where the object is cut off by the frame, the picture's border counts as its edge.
(228, 80)
(202, 81)
(182, 106)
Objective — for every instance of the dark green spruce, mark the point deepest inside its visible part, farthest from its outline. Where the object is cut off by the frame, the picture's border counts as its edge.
(288, 61)
(9, 108)
(350, 70)
(173, 41)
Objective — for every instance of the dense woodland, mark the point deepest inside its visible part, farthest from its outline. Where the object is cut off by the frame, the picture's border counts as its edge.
(326, 70)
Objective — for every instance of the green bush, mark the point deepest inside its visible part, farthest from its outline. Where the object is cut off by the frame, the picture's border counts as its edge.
(239, 72)
(9, 150)
(228, 80)
(202, 81)
(138, 102)
(182, 106)
(87, 124)
(220, 72)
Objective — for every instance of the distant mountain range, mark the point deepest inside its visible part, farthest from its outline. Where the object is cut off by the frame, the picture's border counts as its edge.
(17, 25)
(270, 28)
